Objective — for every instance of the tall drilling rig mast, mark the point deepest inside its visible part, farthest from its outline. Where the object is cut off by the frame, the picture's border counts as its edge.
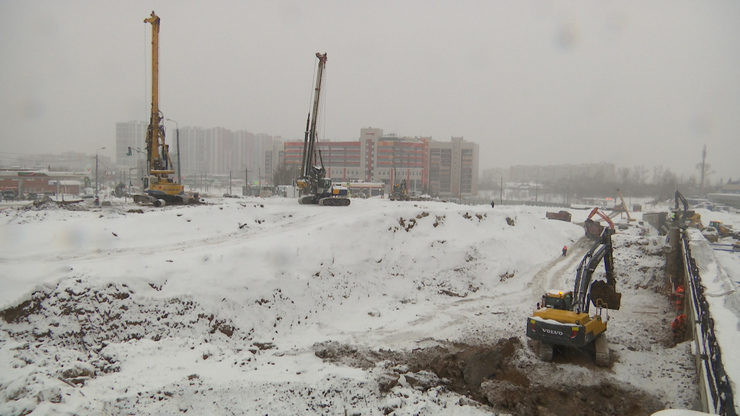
(159, 187)
(313, 185)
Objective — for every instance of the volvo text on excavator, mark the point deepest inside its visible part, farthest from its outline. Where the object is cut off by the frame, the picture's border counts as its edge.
(313, 185)
(563, 319)
(160, 187)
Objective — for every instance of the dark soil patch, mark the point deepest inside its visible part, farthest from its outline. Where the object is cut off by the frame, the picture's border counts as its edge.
(81, 318)
(493, 375)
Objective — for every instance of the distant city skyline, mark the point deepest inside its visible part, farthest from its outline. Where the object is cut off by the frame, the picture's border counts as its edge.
(547, 82)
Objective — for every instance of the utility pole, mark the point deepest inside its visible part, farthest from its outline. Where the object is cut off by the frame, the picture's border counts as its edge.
(501, 192)
(229, 183)
(96, 176)
(96, 173)
(703, 168)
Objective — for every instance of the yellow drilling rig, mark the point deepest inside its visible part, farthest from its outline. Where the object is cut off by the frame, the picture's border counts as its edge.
(160, 187)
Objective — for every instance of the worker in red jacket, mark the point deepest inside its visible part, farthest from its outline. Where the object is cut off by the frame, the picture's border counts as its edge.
(678, 297)
(565, 250)
(678, 327)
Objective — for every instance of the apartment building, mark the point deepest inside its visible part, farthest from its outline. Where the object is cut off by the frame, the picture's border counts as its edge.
(453, 168)
(203, 151)
(130, 135)
(447, 169)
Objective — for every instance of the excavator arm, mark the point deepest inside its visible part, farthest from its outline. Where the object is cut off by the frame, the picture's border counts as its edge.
(593, 228)
(682, 199)
(600, 293)
(603, 216)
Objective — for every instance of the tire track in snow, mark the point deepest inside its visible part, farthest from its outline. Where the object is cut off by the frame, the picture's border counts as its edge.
(550, 276)
(459, 314)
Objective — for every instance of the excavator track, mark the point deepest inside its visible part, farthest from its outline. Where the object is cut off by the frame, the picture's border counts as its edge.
(334, 202)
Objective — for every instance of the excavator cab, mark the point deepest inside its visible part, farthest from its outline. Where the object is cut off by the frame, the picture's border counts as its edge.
(558, 300)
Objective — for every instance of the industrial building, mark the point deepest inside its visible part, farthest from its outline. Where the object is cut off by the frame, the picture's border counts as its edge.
(28, 183)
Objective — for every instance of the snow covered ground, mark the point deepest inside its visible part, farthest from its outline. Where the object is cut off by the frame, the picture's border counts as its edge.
(264, 306)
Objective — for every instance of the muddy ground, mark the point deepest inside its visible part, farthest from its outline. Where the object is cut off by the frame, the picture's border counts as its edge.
(502, 376)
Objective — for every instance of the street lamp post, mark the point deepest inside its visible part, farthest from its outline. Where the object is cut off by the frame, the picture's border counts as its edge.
(246, 182)
(139, 162)
(177, 144)
(96, 174)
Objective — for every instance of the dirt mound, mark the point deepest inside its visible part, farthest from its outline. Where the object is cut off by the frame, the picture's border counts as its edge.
(76, 317)
(493, 375)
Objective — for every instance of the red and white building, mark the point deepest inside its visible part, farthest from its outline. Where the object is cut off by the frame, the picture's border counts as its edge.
(447, 169)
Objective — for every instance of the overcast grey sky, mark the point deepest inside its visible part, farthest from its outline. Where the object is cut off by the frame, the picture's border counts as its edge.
(533, 82)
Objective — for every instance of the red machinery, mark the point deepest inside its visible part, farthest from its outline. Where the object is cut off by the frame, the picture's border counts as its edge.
(594, 228)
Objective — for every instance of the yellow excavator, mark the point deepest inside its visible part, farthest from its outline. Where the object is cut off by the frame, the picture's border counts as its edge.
(685, 217)
(160, 187)
(563, 319)
(400, 192)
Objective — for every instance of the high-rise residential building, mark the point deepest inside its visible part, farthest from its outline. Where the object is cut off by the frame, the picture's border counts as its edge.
(453, 168)
(215, 151)
(368, 137)
(130, 135)
(447, 169)
(398, 159)
(342, 159)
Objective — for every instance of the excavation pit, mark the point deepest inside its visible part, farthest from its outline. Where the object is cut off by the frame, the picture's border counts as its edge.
(505, 376)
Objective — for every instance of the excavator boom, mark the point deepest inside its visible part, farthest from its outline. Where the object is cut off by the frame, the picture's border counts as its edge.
(600, 293)
(593, 229)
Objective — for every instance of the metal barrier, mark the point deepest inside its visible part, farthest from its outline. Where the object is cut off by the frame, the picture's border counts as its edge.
(717, 392)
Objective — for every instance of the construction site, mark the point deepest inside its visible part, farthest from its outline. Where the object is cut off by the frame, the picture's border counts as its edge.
(234, 308)
(358, 297)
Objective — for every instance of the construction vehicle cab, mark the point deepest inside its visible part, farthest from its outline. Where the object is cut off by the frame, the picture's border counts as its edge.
(563, 317)
(400, 192)
(557, 299)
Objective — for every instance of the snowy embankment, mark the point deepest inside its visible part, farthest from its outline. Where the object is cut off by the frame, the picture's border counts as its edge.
(266, 306)
(720, 273)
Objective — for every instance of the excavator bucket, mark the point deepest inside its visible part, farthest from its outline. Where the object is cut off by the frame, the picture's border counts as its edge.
(604, 295)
